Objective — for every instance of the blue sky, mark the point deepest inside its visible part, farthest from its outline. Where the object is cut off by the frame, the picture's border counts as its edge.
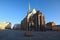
(15, 10)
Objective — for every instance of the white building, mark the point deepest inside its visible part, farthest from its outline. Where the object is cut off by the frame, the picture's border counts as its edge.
(5, 25)
(17, 26)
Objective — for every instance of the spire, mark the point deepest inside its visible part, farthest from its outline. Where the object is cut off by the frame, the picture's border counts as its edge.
(29, 8)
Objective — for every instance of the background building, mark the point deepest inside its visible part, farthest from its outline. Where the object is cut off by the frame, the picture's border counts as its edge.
(56, 28)
(52, 26)
(5, 25)
(17, 26)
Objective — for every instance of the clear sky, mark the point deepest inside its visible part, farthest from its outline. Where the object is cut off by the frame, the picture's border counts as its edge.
(15, 10)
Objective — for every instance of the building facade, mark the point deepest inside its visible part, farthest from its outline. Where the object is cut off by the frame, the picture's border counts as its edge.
(5, 25)
(17, 27)
(34, 21)
(52, 26)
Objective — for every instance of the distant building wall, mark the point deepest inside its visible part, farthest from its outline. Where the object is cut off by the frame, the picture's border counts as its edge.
(17, 27)
(50, 25)
(56, 28)
(5, 25)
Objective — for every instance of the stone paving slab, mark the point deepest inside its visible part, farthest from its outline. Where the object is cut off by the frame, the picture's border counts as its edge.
(19, 35)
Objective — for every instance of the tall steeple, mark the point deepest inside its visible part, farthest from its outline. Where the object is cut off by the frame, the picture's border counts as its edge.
(29, 8)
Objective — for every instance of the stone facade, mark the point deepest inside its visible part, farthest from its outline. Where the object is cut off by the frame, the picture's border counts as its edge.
(34, 22)
(17, 27)
(56, 28)
(5, 25)
(50, 25)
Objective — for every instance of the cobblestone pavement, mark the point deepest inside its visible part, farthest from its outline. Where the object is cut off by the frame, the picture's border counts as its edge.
(19, 35)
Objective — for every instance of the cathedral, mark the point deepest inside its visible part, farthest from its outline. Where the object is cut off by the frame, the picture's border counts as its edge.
(34, 21)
